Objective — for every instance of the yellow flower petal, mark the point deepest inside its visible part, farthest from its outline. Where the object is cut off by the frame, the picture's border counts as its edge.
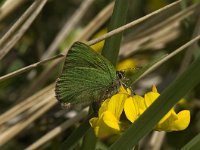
(126, 64)
(129, 92)
(94, 122)
(183, 120)
(101, 129)
(140, 102)
(104, 107)
(122, 90)
(183, 103)
(166, 123)
(98, 46)
(154, 89)
(131, 109)
(171, 114)
(150, 97)
(111, 121)
(116, 104)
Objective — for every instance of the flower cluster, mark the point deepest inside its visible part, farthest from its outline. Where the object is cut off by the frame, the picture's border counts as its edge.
(118, 112)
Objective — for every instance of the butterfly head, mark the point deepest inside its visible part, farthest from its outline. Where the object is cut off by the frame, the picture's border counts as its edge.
(122, 80)
(120, 75)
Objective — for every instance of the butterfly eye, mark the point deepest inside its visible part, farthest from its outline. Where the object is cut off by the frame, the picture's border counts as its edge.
(120, 74)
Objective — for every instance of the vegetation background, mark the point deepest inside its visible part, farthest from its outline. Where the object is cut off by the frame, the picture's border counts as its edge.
(34, 31)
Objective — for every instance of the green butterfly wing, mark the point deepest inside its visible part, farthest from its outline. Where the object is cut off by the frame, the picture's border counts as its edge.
(86, 76)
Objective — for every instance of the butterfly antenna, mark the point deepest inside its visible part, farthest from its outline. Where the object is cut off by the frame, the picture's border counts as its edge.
(135, 68)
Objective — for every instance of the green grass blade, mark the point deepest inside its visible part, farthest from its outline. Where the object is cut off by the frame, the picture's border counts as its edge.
(183, 84)
(89, 140)
(77, 134)
(112, 44)
(194, 144)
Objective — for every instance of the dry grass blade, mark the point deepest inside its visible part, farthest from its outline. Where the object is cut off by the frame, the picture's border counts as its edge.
(46, 98)
(68, 27)
(7, 134)
(9, 6)
(40, 103)
(173, 19)
(156, 140)
(27, 68)
(131, 24)
(56, 131)
(180, 49)
(38, 82)
(15, 38)
(158, 34)
(97, 22)
(14, 130)
(18, 23)
(26, 104)
(190, 51)
(94, 25)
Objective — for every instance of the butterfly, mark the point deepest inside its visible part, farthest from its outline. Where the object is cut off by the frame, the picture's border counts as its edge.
(86, 77)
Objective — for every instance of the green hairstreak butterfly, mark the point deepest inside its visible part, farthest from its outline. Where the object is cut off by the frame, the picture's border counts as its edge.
(86, 77)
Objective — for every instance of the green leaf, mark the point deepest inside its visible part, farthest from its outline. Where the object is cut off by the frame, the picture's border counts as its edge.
(194, 144)
(112, 44)
(183, 84)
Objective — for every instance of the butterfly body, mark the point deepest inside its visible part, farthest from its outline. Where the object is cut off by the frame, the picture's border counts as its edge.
(86, 76)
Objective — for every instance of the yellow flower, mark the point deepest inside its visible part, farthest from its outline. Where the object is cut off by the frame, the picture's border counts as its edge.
(98, 46)
(126, 64)
(174, 122)
(155, 4)
(108, 121)
(171, 121)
